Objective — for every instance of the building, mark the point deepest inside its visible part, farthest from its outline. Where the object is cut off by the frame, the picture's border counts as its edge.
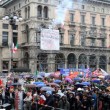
(84, 40)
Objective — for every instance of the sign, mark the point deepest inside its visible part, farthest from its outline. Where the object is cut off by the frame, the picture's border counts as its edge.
(49, 39)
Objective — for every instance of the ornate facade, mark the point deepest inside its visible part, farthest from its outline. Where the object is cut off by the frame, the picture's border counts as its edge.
(84, 39)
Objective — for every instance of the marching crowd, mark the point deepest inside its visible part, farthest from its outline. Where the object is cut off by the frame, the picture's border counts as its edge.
(66, 96)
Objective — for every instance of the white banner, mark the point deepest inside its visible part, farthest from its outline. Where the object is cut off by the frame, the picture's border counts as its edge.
(49, 39)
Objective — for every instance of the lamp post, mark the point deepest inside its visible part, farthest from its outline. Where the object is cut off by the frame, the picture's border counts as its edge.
(12, 21)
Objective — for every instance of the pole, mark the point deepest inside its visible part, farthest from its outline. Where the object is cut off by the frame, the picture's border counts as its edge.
(11, 49)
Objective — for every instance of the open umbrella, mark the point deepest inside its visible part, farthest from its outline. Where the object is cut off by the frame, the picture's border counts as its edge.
(47, 88)
(57, 81)
(80, 85)
(96, 80)
(38, 83)
(41, 85)
(69, 80)
(15, 84)
(30, 85)
(77, 79)
(53, 84)
(86, 83)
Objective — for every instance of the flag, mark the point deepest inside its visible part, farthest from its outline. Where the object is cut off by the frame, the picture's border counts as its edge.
(14, 48)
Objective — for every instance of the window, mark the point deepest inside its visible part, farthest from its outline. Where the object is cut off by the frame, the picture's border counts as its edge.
(15, 27)
(45, 12)
(5, 65)
(83, 7)
(103, 42)
(103, 21)
(92, 42)
(93, 8)
(28, 11)
(5, 38)
(102, 10)
(25, 13)
(93, 20)
(71, 40)
(82, 40)
(15, 38)
(39, 11)
(83, 19)
(14, 8)
(5, 26)
(19, 5)
(71, 17)
(15, 63)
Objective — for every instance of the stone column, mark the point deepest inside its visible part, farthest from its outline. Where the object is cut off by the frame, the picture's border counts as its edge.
(88, 61)
(66, 63)
(51, 63)
(97, 57)
(32, 66)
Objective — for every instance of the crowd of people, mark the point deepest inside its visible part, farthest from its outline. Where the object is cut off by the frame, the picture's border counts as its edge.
(63, 96)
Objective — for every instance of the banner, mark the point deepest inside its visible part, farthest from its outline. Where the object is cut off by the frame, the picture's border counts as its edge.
(49, 39)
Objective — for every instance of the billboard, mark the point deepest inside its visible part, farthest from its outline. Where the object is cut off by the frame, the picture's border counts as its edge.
(49, 39)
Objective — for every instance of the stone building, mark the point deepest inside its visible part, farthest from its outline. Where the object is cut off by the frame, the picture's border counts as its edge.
(84, 39)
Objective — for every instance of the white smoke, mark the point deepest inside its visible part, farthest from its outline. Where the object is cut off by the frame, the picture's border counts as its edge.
(61, 10)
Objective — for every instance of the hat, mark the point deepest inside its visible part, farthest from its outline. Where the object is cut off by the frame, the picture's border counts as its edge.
(43, 97)
(49, 92)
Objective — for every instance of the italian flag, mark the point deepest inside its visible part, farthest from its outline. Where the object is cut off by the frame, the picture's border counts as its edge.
(14, 48)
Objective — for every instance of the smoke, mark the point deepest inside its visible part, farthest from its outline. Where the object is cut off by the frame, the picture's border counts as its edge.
(61, 10)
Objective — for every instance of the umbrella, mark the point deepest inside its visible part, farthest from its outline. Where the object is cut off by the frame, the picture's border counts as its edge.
(69, 80)
(96, 81)
(30, 85)
(79, 85)
(53, 84)
(15, 84)
(86, 83)
(38, 83)
(57, 81)
(77, 79)
(41, 85)
(47, 88)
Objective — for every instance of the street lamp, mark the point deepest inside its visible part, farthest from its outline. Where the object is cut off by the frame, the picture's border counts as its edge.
(12, 21)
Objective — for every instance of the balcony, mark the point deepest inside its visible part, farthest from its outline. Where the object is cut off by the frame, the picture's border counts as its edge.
(82, 25)
(72, 23)
(102, 36)
(103, 27)
(93, 26)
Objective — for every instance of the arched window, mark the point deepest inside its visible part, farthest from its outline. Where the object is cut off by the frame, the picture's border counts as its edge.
(39, 11)
(45, 12)
(28, 11)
